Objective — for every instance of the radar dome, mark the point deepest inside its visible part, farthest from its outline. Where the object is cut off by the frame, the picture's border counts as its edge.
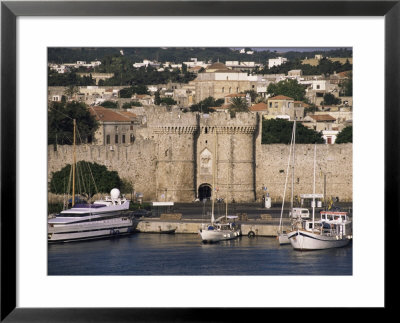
(115, 193)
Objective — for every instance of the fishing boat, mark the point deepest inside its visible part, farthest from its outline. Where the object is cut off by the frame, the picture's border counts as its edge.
(224, 227)
(332, 230)
(108, 217)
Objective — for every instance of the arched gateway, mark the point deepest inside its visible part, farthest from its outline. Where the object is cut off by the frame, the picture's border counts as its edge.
(204, 191)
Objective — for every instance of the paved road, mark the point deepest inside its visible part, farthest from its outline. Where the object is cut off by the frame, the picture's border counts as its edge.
(198, 210)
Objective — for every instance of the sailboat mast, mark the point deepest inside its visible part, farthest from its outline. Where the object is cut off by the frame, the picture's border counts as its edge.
(286, 179)
(313, 205)
(73, 168)
(213, 184)
(294, 153)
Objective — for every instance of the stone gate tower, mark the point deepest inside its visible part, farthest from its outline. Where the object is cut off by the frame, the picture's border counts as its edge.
(198, 154)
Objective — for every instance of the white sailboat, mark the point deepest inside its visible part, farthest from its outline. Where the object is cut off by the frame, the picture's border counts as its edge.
(332, 230)
(224, 227)
(108, 217)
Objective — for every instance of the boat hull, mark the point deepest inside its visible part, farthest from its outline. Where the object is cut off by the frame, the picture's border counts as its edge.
(91, 230)
(283, 238)
(218, 235)
(304, 240)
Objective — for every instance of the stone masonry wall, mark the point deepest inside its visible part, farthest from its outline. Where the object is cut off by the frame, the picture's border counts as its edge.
(334, 171)
(176, 152)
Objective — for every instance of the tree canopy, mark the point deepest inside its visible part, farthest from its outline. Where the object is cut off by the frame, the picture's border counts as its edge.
(103, 179)
(205, 105)
(279, 131)
(60, 123)
(135, 89)
(345, 136)
(330, 99)
(290, 88)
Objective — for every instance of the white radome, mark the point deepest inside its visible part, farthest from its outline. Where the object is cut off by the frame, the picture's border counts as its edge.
(115, 193)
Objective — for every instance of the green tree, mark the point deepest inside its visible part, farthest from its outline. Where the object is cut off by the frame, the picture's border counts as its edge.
(103, 180)
(330, 99)
(238, 104)
(109, 104)
(345, 136)
(60, 123)
(290, 88)
(205, 105)
(157, 98)
(168, 101)
(279, 131)
(346, 86)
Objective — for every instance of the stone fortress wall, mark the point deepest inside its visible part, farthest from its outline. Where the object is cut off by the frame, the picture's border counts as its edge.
(176, 153)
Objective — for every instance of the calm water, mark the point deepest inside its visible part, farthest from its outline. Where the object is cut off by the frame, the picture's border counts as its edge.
(185, 254)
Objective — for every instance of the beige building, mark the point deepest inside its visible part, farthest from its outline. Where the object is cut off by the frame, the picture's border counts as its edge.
(284, 107)
(116, 127)
(218, 81)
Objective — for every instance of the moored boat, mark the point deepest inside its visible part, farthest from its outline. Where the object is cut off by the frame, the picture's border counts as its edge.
(333, 230)
(220, 230)
(104, 218)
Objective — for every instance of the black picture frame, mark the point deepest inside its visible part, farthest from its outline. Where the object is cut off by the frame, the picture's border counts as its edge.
(10, 10)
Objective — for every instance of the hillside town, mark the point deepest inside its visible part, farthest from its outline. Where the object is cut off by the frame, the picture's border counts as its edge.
(226, 87)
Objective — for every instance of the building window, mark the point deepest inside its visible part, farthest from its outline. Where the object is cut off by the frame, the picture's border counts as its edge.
(132, 138)
(270, 104)
(123, 139)
(237, 90)
(318, 87)
(116, 139)
(223, 90)
(108, 139)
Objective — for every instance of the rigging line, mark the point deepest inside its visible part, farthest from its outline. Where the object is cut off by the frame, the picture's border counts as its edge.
(65, 115)
(287, 175)
(90, 170)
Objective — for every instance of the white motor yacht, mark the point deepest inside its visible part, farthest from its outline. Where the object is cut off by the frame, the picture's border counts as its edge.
(104, 218)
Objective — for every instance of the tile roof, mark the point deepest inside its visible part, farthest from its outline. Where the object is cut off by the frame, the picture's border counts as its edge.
(303, 104)
(280, 97)
(259, 107)
(235, 95)
(322, 117)
(103, 114)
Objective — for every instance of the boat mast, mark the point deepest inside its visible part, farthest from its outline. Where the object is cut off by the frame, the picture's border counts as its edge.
(213, 183)
(313, 202)
(73, 169)
(294, 153)
(287, 175)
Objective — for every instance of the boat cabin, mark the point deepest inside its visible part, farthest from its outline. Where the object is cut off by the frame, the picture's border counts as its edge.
(328, 216)
(300, 213)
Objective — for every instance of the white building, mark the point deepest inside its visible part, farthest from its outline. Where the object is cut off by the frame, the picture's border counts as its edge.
(276, 61)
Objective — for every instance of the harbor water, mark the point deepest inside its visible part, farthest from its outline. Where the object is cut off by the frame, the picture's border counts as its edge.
(185, 254)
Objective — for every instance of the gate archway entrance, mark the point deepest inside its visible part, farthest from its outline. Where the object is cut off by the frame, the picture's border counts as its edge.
(204, 191)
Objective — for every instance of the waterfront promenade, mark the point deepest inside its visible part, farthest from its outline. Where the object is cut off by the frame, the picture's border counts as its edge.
(188, 217)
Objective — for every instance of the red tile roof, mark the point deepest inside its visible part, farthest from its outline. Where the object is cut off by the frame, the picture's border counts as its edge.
(303, 104)
(280, 97)
(103, 114)
(322, 117)
(259, 107)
